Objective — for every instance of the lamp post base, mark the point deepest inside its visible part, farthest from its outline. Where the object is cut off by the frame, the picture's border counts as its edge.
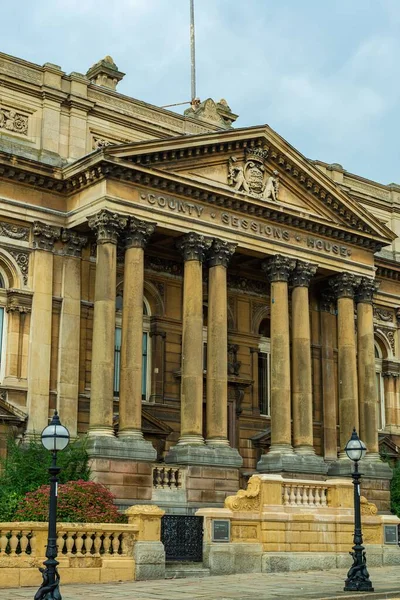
(358, 576)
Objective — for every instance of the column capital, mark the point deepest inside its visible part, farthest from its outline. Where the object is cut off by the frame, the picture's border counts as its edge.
(138, 233)
(278, 268)
(194, 246)
(344, 285)
(220, 253)
(44, 236)
(73, 242)
(326, 300)
(366, 290)
(303, 273)
(107, 225)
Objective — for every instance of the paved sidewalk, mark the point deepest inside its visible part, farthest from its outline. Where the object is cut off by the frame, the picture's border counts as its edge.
(315, 585)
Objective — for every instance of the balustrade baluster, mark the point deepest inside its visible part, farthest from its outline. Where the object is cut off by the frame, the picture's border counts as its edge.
(79, 543)
(178, 481)
(298, 495)
(311, 500)
(317, 497)
(97, 543)
(32, 543)
(60, 542)
(323, 498)
(13, 542)
(24, 541)
(115, 542)
(285, 495)
(88, 542)
(162, 477)
(69, 542)
(106, 542)
(124, 544)
(292, 495)
(155, 476)
(306, 492)
(3, 541)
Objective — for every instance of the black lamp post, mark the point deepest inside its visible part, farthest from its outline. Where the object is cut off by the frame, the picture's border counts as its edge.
(358, 576)
(55, 437)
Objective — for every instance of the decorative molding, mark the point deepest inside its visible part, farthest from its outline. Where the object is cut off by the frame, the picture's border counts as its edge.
(366, 290)
(246, 500)
(22, 260)
(344, 285)
(246, 285)
(44, 236)
(278, 268)
(73, 242)
(382, 314)
(194, 246)
(233, 363)
(220, 253)
(303, 273)
(107, 225)
(326, 301)
(138, 233)
(19, 301)
(11, 120)
(368, 508)
(15, 232)
(163, 265)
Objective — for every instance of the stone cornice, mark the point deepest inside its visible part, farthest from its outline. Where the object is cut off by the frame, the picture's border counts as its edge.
(220, 253)
(19, 301)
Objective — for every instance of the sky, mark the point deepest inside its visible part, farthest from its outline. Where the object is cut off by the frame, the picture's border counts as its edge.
(324, 74)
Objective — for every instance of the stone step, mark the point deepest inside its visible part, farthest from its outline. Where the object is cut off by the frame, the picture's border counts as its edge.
(182, 570)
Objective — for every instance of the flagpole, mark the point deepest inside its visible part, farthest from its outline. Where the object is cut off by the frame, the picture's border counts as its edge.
(192, 52)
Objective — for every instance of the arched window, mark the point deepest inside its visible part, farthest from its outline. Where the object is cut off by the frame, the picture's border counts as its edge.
(264, 368)
(380, 388)
(3, 303)
(146, 347)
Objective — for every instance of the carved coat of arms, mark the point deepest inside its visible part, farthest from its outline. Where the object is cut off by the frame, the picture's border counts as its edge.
(251, 176)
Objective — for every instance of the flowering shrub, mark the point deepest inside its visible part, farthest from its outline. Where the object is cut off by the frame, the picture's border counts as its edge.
(77, 502)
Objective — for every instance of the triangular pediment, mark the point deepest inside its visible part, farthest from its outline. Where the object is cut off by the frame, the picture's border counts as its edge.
(253, 166)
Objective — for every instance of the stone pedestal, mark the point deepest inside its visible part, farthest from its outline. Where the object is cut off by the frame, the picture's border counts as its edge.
(204, 455)
(278, 462)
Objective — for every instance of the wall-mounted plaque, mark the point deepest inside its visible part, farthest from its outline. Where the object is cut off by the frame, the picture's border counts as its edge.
(391, 536)
(221, 530)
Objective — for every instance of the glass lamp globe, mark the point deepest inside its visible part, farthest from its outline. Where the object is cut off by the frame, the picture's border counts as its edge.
(55, 436)
(355, 448)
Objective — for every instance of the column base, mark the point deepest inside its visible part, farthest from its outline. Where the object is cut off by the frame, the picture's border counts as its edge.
(132, 448)
(101, 431)
(219, 456)
(290, 462)
(191, 439)
(218, 442)
(371, 467)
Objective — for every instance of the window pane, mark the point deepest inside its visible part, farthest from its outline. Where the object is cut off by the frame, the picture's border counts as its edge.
(117, 360)
(264, 383)
(144, 367)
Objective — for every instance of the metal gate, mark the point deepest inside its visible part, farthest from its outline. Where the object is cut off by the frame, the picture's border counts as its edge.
(182, 537)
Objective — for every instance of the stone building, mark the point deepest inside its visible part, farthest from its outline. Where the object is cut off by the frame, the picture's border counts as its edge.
(202, 301)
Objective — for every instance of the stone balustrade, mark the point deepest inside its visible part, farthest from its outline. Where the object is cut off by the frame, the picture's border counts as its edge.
(293, 524)
(87, 552)
(167, 478)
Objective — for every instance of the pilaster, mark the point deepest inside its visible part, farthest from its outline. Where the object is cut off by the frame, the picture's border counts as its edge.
(44, 237)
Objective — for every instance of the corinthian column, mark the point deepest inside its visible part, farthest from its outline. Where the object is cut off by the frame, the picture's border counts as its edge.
(367, 392)
(301, 359)
(130, 394)
(344, 287)
(193, 248)
(217, 343)
(44, 237)
(278, 270)
(107, 226)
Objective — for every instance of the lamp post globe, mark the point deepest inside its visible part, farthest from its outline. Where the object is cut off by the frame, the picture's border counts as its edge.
(55, 437)
(358, 576)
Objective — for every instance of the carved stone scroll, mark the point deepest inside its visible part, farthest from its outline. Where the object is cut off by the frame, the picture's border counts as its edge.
(138, 233)
(73, 242)
(303, 273)
(246, 500)
(278, 268)
(11, 120)
(22, 260)
(15, 232)
(220, 253)
(44, 236)
(366, 290)
(344, 285)
(194, 246)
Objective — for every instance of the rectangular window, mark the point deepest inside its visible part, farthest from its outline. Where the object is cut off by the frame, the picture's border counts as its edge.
(117, 362)
(264, 383)
(381, 400)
